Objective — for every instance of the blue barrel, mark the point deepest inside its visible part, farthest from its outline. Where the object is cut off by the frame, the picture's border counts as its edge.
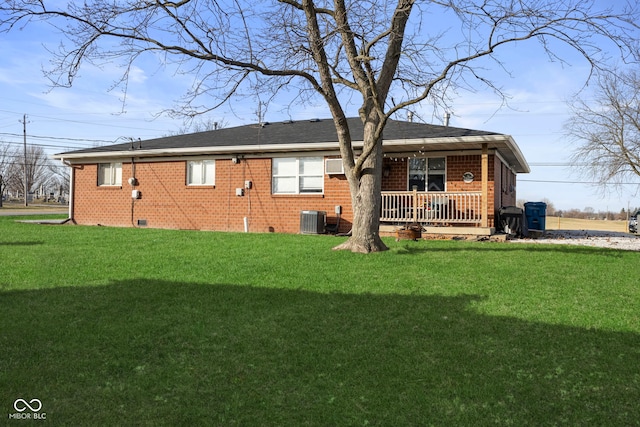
(536, 214)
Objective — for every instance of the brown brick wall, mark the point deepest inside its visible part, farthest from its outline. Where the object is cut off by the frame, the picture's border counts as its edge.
(458, 165)
(167, 202)
(397, 171)
(99, 205)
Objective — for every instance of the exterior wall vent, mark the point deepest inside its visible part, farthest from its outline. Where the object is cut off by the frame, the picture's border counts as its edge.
(333, 167)
(312, 222)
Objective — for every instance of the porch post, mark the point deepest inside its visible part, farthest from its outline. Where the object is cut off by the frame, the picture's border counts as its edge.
(484, 216)
(415, 204)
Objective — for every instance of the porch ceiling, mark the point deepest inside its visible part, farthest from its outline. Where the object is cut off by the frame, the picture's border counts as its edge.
(503, 144)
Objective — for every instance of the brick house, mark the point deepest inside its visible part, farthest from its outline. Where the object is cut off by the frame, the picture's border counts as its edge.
(260, 178)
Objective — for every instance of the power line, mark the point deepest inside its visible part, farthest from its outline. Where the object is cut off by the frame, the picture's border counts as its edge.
(18, 160)
(56, 138)
(107, 122)
(47, 146)
(556, 164)
(574, 182)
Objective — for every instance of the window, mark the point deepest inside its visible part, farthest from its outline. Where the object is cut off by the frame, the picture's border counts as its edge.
(110, 174)
(417, 173)
(436, 173)
(427, 174)
(201, 172)
(303, 175)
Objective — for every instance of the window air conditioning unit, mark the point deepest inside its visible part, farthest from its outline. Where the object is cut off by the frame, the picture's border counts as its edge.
(312, 222)
(333, 167)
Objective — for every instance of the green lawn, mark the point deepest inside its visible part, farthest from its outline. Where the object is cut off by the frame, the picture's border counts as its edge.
(109, 326)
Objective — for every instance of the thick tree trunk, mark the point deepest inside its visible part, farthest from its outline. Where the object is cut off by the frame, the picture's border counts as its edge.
(365, 199)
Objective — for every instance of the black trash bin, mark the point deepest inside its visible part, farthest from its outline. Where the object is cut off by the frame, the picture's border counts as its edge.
(511, 220)
(536, 213)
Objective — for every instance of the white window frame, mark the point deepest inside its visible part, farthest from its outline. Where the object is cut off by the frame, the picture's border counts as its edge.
(439, 172)
(298, 175)
(112, 175)
(424, 174)
(206, 172)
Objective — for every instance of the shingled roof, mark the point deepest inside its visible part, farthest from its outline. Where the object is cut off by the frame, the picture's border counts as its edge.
(307, 135)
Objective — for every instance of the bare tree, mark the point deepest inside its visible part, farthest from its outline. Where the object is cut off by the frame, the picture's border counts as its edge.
(551, 209)
(607, 130)
(59, 180)
(37, 164)
(6, 160)
(385, 55)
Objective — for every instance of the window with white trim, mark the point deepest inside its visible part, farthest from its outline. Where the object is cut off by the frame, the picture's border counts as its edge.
(109, 174)
(201, 172)
(427, 174)
(297, 175)
(436, 174)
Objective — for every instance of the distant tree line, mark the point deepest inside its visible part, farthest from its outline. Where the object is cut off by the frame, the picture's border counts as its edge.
(586, 213)
(590, 213)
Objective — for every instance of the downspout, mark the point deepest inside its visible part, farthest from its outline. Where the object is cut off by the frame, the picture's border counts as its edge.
(132, 182)
(71, 184)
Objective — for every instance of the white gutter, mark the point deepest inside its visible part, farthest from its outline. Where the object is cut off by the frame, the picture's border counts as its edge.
(235, 149)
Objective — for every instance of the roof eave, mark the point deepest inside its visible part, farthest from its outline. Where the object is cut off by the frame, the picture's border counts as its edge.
(495, 141)
(194, 151)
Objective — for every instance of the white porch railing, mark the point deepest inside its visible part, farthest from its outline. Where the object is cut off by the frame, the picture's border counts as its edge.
(431, 207)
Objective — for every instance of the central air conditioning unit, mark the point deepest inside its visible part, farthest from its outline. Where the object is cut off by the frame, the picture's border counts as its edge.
(333, 167)
(312, 222)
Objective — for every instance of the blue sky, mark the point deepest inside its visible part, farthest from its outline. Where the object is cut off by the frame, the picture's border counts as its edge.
(90, 114)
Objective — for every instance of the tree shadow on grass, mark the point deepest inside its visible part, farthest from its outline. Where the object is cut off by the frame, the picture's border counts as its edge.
(163, 353)
(32, 243)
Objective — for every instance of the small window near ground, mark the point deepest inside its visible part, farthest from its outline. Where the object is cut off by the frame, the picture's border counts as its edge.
(110, 174)
(303, 175)
(201, 172)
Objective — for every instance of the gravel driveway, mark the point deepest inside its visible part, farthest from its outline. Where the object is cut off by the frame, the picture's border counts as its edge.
(603, 239)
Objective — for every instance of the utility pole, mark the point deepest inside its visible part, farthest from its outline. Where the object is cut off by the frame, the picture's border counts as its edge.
(24, 165)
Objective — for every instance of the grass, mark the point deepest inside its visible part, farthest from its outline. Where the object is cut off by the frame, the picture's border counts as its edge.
(111, 326)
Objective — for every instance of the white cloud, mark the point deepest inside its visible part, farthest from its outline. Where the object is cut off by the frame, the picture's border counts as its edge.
(137, 75)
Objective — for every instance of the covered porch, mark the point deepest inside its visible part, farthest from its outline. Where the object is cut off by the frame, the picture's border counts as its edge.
(464, 208)
(450, 183)
(445, 213)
